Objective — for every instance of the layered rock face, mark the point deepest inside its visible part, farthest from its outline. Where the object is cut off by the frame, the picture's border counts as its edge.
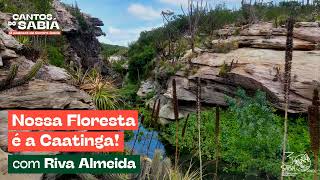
(83, 47)
(49, 90)
(258, 63)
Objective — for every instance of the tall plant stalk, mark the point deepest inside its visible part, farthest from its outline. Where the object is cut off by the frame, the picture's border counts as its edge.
(217, 142)
(287, 84)
(176, 118)
(154, 121)
(199, 123)
(136, 137)
(183, 133)
(313, 116)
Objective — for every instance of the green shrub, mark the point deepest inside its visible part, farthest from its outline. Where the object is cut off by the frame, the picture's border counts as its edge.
(128, 93)
(110, 50)
(119, 67)
(55, 56)
(140, 64)
(251, 135)
(224, 46)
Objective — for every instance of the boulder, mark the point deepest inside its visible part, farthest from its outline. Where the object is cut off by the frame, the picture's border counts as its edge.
(53, 73)
(39, 94)
(47, 72)
(9, 41)
(273, 42)
(4, 131)
(253, 69)
(146, 87)
(1, 62)
(279, 43)
(307, 24)
(259, 29)
(8, 54)
(87, 55)
(166, 114)
(279, 31)
(67, 22)
(311, 34)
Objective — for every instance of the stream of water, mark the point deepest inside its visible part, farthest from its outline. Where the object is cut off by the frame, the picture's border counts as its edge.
(145, 142)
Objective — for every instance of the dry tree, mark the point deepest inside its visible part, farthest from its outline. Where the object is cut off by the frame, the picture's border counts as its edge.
(287, 84)
(194, 14)
(313, 116)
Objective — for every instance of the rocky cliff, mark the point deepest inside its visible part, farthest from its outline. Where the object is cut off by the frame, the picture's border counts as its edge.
(257, 62)
(50, 88)
(81, 31)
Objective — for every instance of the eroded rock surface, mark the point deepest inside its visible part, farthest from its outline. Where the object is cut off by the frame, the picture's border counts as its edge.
(49, 89)
(258, 64)
(83, 47)
(39, 94)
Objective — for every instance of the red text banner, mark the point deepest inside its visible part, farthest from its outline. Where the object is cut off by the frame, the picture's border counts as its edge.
(73, 120)
(65, 141)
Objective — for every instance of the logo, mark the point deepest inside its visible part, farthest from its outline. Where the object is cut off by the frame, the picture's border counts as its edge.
(34, 24)
(296, 164)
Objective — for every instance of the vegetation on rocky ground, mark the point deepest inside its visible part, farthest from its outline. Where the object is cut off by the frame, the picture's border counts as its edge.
(12, 81)
(246, 122)
(167, 42)
(26, 6)
(113, 50)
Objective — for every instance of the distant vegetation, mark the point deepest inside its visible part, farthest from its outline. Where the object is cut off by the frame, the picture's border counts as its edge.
(26, 6)
(111, 50)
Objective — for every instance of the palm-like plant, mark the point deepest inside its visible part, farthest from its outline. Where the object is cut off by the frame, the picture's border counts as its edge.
(103, 93)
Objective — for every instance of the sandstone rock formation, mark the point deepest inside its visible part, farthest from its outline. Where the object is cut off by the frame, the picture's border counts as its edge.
(48, 90)
(39, 94)
(146, 88)
(78, 50)
(258, 63)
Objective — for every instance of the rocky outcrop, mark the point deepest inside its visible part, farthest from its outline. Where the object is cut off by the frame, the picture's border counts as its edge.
(311, 34)
(146, 87)
(258, 64)
(49, 89)
(39, 94)
(275, 42)
(260, 69)
(4, 131)
(68, 22)
(83, 48)
(9, 41)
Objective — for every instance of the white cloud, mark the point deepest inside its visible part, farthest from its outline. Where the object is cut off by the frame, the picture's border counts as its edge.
(123, 36)
(144, 12)
(175, 2)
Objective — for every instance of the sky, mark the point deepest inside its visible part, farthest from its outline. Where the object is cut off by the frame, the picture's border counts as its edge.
(125, 19)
